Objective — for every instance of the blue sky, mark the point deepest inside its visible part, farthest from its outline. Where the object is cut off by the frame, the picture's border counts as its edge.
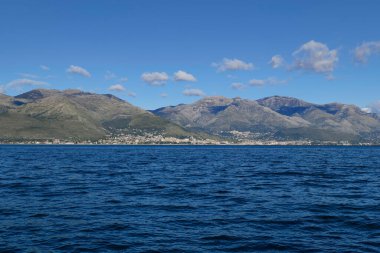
(325, 51)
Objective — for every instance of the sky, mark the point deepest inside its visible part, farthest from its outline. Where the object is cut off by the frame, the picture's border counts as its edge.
(166, 52)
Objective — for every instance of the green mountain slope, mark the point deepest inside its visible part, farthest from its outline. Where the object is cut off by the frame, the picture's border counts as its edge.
(76, 115)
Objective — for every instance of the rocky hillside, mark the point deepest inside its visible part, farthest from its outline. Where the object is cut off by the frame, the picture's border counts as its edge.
(77, 115)
(279, 118)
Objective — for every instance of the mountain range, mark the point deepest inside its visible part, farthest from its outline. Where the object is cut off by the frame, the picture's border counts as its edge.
(277, 118)
(77, 115)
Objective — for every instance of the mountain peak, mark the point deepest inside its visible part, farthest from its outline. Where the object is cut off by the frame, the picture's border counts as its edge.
(214, 100)
(38, 94)
(276, 102)
(281, 98)
(72, 91)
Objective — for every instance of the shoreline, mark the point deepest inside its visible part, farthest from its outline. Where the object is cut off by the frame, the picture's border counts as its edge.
(191, 145)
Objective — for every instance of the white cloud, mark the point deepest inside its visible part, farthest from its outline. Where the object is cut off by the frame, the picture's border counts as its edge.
(268, 81)
(109, 75)
(365, 50)
(184, 76)
(132, 94)
(374, 107)
(315, 57)
(277, 61)
(232, 64)
(2, 89)
(155, 78)
(19, 83)
(163, 95)
(237, 86)
(44, 67)
(78, 70)
(116, 87)
(193, 92)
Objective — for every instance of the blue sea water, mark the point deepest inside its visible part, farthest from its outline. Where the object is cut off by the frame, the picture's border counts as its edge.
(189, 199)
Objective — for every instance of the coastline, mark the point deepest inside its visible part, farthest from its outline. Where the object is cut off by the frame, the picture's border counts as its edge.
(193, 145)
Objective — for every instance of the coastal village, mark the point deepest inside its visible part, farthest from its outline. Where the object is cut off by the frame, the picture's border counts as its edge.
(151, 139)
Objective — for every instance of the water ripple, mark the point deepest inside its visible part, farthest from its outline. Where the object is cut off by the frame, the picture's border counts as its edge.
(189, 199)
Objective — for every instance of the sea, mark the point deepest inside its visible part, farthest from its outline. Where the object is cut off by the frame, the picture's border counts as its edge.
(72, 198)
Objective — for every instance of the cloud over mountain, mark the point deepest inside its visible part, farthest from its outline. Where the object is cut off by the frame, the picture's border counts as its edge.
(366, 49)
(193, 92)
(155, 78)
(315, 57)
(232, 64)
(78, 70)
(268, 81)
(116, 87)
(19, 83)
(181, 75)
